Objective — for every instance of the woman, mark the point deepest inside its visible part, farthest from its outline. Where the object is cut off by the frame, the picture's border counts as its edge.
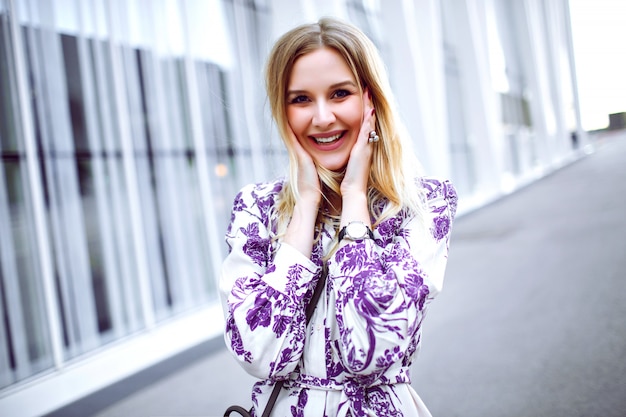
(354, 206)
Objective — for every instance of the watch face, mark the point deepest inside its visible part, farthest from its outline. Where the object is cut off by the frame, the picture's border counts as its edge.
(356, 230)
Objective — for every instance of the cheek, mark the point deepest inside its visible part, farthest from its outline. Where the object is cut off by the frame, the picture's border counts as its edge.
(354, 114)
(297, 119)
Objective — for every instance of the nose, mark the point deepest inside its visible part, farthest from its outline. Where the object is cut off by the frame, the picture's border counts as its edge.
(324, 115)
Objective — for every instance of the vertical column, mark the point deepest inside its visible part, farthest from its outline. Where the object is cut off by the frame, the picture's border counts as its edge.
(34, 175)
(583, 139)
(481, 108)
(198, 137)
(557, 72)
(250, 85)
(542, 107)
(417, 75)
(130, 170)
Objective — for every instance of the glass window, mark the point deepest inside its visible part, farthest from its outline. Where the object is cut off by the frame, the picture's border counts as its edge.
(111, 103)
(168, 182)
(220, 146)
(86, 204)
(255, 154)
(24, 340)
(365, 15)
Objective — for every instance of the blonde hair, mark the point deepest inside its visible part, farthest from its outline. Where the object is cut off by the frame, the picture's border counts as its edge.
(394, 167)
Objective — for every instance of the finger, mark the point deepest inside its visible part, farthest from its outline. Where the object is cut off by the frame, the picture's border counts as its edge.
(368, 129)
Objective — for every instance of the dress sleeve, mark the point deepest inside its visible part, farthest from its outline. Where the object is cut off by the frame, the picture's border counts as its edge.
(381, 287)
(263, 287)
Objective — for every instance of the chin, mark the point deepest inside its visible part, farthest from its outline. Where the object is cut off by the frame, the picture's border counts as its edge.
(335, 167)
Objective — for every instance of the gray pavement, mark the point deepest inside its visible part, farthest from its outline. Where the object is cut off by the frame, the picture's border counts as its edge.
(531, 322)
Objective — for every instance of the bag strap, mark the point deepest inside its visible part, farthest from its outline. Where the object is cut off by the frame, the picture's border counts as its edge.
(310, 308)
(319, 287)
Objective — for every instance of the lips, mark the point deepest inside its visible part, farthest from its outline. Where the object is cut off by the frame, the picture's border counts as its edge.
(327, 139)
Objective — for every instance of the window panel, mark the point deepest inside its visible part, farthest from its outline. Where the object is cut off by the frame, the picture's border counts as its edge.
(110, 198)
(82, 161)
(97, 287)
(170, 189)
(24, 340)
(250, 28)
(220, 146)
(25, 346)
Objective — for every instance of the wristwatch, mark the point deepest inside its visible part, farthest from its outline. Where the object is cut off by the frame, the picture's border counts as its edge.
(356, 230)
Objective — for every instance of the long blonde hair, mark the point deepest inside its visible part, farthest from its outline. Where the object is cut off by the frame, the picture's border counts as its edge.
(394, 167)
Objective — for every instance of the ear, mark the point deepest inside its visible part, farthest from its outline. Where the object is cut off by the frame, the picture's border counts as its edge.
(366, 95)
(368, 99)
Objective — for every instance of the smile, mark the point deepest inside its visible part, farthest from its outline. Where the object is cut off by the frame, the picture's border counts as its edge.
(328, 139)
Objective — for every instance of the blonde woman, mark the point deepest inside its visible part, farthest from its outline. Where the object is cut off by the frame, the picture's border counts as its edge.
(354, 208)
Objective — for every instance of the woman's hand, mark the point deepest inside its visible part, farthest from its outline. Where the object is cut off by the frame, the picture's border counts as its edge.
(357, 172)
(309, 187)
(300, 231)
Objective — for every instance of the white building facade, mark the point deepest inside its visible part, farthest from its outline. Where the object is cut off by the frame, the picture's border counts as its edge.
(128, 126)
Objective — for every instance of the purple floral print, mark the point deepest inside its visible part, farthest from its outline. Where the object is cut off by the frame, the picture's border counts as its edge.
(357, 350)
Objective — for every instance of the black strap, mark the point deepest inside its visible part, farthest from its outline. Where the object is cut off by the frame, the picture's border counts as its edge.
(310, 308)
(270, 404)
(237, 409)
(319, 287)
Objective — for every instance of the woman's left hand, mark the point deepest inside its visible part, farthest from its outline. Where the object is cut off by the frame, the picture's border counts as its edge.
(357, 172)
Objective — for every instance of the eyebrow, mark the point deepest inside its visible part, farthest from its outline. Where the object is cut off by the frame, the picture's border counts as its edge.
(332, 87)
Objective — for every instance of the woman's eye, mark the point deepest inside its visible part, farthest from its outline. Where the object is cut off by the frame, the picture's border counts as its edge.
(341, 93)
(298, 99)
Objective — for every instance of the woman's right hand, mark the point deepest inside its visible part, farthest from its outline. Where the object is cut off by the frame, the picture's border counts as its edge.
(300, 231)
(308, 179)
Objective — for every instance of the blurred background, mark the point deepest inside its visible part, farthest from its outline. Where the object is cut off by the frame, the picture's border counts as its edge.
(128, 126)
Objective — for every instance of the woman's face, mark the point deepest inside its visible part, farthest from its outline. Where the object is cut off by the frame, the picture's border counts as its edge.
(324, 107)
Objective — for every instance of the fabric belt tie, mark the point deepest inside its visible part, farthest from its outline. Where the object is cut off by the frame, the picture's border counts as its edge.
(355, 391)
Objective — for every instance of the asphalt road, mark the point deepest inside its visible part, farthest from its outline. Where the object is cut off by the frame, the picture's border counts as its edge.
(531, 321)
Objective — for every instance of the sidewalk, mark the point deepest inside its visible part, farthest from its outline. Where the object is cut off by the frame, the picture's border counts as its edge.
(531, 322)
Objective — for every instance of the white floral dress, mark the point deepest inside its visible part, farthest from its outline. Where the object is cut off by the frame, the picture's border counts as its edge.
(353, 358)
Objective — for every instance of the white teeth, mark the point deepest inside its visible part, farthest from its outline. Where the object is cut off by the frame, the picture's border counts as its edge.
(328, 139)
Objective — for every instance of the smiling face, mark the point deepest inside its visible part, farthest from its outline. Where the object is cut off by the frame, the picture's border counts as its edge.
(324, 107)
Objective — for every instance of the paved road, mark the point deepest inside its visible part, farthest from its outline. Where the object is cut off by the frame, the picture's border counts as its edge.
(531, 322)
